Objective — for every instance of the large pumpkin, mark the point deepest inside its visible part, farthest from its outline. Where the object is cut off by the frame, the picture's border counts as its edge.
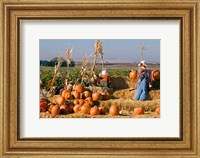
(138, 111)
(86, 94)
(133, 74)
(114, 109)
(96, 96)
(75, 94)
(94, 111)
(63, 92)
(85, 109)
(77, 108)
(155, 75)
(60, 100)
(67, 95)
(55, 110)
(79, 88)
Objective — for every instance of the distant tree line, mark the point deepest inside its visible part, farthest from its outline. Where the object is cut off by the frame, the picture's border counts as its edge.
(52, 63)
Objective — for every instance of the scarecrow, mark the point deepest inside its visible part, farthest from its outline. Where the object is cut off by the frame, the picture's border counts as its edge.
(143, 83)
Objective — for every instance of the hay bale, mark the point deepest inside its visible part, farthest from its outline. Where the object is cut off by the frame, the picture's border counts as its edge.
(127, 94)
(125, 82)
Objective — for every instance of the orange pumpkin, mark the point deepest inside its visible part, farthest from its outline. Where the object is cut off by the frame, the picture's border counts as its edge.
(81, 101)
(77, 108)
(79, 88)
(60, 100)
(114, 109)
(96, 96)
(155, 75)
(102, 109)
(76, 95)
(157, 110)
(85, 109)
(55, 110)
(64, 109)
(138, 111)
(63, 92)
(133, 74)
(94, 111)
(86, 94)
(67, 95)
(76, 102)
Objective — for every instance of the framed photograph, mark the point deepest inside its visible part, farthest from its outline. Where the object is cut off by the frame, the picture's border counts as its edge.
(99, 79)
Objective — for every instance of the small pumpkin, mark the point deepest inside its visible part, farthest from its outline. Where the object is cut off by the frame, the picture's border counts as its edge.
(102, 109)
(43, 106)
(76, 95)
(55, 110)
(63, 92)
(157, 110)
(76, 102)
(155, 75)
(81, 101)
(138, 111)
(79, 88)
(67, 95)
(114, 109)
(133, 74)
(94, 111)
(86, 94)
(77, 108)
(85, 109)
(64, 109)
(96, 96)
(60, 100)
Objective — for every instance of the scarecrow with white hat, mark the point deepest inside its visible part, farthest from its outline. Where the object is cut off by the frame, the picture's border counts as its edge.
(104, 80)
(142, 90)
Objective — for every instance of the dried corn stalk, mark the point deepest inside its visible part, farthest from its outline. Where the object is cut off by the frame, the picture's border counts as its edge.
(83, 73)
(56, 75)
(98, 50)
(68, 57)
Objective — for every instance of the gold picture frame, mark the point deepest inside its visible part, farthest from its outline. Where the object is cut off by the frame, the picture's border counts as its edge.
(13, 11)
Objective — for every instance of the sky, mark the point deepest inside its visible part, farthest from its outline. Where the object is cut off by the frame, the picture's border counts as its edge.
(115, 50)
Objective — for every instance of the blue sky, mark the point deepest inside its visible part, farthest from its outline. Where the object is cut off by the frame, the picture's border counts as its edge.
(121, 50)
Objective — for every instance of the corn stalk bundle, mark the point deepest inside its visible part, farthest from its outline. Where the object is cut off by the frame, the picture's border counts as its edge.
(98, 50)
(83, 68)
(55, 76)
(68, 57)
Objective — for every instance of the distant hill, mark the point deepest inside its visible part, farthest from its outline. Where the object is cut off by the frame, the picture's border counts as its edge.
(56, 58)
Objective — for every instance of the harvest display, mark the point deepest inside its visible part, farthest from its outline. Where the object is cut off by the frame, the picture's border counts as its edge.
(92, 93)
